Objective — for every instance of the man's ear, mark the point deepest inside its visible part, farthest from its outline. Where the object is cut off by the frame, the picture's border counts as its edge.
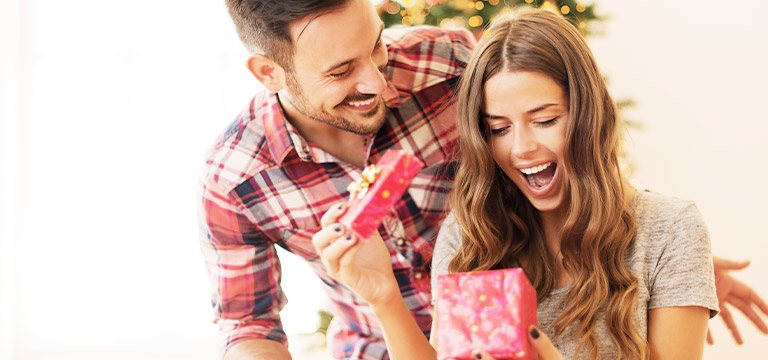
(268, 72)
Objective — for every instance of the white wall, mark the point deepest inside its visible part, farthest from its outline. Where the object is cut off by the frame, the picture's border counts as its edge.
(698, 73)
(108, 106)
(107, 109)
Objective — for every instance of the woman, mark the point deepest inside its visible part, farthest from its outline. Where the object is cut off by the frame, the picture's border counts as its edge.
(618, 272)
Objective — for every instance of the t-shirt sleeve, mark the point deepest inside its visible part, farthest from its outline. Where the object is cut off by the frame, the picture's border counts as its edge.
(446, 246)
(683, 274)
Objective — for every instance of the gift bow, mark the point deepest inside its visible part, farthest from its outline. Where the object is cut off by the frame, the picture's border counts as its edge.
(360, 187)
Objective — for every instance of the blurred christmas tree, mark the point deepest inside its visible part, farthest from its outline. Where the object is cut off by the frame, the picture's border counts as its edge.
(475, 15)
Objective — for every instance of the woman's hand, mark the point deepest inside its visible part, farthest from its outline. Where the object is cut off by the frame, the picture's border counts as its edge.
(363, 265)
(539, 341)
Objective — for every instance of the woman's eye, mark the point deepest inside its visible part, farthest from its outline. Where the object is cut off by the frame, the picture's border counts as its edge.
(549, 122)
(499, 131)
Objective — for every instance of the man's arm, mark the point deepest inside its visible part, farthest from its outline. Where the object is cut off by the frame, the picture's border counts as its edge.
(244, 273)
(258, 349)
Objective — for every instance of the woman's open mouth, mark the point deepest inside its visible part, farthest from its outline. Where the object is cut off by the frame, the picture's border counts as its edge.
(540, 177)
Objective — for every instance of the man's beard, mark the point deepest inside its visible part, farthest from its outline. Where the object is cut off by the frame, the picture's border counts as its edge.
(302, 105)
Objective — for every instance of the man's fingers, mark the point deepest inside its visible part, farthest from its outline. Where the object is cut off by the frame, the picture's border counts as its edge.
(758, 301)
(540, 341)
(731, 325)
(749, 312)
(332, 214)
(333, 252)
(721, 264)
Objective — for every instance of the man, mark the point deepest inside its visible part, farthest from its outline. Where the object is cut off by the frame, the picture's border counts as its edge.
(339, 92)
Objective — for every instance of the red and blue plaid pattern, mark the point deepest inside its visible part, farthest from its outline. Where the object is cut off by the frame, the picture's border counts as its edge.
(264, 185)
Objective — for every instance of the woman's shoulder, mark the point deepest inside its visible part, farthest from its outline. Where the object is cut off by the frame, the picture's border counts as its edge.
(652, 208)
(449, 235)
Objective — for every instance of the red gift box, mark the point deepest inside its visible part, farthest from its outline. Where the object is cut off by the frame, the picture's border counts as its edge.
(487, 310)
(376, 192)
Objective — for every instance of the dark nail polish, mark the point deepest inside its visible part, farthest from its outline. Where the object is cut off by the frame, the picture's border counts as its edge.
(340, 206)
(337, 229)
(535, 333)
(348, 237)
(478, 356)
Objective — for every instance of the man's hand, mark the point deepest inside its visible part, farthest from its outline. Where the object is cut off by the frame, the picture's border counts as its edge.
(731, 292)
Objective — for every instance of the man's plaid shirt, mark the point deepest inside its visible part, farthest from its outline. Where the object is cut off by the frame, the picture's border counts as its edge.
(263, 185)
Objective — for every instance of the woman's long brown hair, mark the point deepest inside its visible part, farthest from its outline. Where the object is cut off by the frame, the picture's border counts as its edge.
(500, 226)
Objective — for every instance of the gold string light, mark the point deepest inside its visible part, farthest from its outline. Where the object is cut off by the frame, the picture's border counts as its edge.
(393, 7)
(473, 14)
(475, 21)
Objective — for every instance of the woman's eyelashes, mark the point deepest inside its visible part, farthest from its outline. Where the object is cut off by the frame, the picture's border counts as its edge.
(546, 123)
(501, 130)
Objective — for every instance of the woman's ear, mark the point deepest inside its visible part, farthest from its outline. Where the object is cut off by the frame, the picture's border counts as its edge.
(268, 72)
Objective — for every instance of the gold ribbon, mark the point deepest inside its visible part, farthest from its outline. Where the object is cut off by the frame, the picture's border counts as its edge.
(360, 187)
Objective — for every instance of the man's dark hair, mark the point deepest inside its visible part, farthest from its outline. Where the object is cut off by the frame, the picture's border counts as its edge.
(263, 24)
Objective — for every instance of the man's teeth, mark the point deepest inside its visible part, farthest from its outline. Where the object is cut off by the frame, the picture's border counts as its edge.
(362, 103)
(535, 169)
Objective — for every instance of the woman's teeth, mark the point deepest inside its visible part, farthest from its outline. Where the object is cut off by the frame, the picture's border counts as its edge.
(529, 172)
(532, 181)
(535, 169)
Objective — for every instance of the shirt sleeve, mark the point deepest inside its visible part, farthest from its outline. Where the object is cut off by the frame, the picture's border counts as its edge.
(243, 270)
(446, 245)
(684, 275)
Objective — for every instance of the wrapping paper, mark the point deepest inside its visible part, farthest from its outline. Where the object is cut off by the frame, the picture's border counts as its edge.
(376, 192)
(488, 310)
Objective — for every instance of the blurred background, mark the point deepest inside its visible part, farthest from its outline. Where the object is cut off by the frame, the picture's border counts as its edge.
(107, 108)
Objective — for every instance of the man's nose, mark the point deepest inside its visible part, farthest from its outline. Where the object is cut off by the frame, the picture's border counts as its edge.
(371, 80)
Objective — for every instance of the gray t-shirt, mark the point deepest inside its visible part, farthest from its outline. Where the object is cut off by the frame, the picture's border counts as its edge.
(670, 257)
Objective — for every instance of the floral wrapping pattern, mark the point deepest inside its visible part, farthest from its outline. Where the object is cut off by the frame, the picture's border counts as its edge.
(379, 188)
(488, 310)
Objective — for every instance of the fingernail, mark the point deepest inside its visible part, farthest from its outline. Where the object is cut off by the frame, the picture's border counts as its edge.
(337, 229)
(478, 356)
(535, 333)
(348, 237)
(341, 206)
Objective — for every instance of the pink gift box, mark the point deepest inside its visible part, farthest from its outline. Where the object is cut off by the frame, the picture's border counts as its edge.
(376, 192)
(488, 310)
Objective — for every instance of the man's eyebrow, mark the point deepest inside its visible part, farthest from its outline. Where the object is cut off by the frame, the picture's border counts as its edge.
(349, 61)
